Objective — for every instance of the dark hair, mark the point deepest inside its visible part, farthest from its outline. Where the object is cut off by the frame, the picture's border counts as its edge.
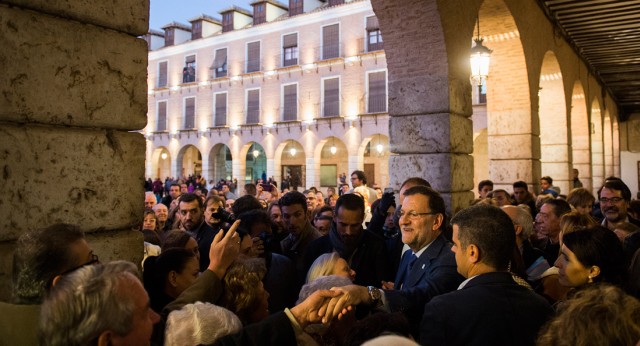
(293, 197)
(157, 268)
(436, 202)
(491, 230)
(416, 181)
(350, 201)
(244, 204)
(548, 179)
(618, 185)
(39, 257)
(560, 207)
(484, 183)
(188, 198)
(175, 239)
(361, 176)
(253, 217)
(325, 208)
(521, 184)
(580, 197)
(598, 246)
(149, 212)
(214, 198)
(250, 189)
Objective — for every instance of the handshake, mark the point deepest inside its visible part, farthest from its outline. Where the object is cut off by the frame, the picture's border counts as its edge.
(325, 305)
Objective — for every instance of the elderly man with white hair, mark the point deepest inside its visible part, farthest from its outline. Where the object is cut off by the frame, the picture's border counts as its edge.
(533, 258)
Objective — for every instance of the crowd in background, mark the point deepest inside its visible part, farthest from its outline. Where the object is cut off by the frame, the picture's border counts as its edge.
(266, 265)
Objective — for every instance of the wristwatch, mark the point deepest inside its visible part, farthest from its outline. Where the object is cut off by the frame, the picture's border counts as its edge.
(375, 294)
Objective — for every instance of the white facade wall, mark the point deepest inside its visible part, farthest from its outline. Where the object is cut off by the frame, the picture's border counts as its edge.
(313, 135)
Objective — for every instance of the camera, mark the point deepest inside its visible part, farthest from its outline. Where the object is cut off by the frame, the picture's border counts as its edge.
(224, 216)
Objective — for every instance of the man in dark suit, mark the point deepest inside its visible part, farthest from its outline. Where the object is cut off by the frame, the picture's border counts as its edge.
(432, 273)
(488, 308)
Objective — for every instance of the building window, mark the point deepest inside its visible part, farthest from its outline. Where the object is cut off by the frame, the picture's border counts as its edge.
(220, 109)
(377, 92)
(295, 7)
(374, 37)
(330, 41)
(162, 74)
(189, 69)
(190, 113)
(253, 56)
(227, 21)
(259, 14)
(335, 2)
(253, 106)
(331, 97)
(290, 102)
(196, 30)
(161, 124)
(168, 37)
(220, 63)
(290, 50)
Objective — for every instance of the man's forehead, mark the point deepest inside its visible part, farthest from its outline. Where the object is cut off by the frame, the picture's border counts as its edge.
(415, 199)
(189, 205)
(606, 190)
(290, 209)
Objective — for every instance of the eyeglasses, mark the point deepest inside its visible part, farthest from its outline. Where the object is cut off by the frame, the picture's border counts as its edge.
(414, 215)
(94, 260)
(612, 199)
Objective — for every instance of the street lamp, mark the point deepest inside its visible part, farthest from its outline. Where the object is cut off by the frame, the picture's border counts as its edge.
(163, 156)
(480, 58)
(292, 150)
(333, 148)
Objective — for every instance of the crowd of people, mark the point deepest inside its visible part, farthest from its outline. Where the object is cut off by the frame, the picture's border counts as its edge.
(268, 266)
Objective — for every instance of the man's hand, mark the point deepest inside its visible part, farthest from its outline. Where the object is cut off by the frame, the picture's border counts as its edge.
(387, 200)
(224, 250)
(308, 311)
(340, 305)
(388, 285)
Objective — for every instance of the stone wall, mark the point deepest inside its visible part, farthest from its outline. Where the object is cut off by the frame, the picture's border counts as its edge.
(73, 86)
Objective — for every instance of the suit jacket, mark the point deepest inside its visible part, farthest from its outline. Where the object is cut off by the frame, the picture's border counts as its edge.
(204, 235)
(433, 273)
(491, 309)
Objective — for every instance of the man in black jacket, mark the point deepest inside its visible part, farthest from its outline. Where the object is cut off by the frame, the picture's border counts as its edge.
(364, 251)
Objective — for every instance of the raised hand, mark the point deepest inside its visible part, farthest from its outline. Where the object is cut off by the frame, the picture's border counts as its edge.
(224, 250)
(340, 305)
(308, 311)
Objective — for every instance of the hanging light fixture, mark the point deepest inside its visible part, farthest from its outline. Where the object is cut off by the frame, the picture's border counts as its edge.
(292, 150)
(256, 153)
(480, 58)
(379, 148)
(163, 156)
(333, 147)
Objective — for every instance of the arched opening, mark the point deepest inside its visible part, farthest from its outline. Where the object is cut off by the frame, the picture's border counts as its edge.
(580, 136)
(189, 161)
(554, 138)
(375, 153)
(512, 131)
(161, 163)
(334, 161)
(220, 163)
(597, 148)
(292, 159)
(256, 163)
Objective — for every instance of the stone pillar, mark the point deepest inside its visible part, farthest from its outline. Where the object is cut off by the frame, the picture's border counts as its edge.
(74, 87)
(429, 95)
(312, 171)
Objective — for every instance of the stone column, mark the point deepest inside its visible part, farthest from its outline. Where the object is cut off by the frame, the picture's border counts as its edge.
(74, 87)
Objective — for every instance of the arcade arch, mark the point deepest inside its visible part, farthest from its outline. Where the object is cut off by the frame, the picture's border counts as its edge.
(189, 161)
(220, 163)
(580, 136)
(161, 163)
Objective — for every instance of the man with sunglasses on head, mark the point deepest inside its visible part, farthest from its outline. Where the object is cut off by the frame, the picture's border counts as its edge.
(40, 258)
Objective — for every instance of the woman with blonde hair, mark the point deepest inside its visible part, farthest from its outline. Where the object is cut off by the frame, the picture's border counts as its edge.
(330, 264)
(244, 292)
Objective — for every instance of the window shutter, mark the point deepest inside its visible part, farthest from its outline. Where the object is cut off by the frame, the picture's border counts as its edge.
(290, 40)
(253, 107)
(330, 42)
(377, 92)
(253, 57)
(290, 106)
(190, 113)
(162, 117)
(331, 97)
(221, 110)
(372, 23)
(162, 74)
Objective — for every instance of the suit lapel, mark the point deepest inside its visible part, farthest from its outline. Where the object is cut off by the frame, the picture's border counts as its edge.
(423, 263)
